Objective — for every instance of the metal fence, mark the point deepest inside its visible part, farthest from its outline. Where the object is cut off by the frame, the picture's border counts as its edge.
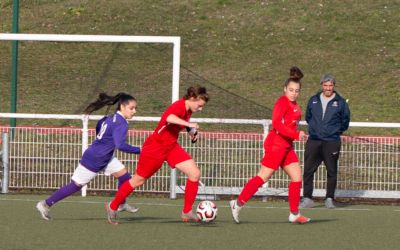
(45, 158)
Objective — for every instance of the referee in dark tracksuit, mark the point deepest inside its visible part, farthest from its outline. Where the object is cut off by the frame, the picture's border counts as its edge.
(328, 116)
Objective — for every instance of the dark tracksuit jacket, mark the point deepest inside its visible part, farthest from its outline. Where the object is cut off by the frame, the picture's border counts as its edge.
(324, 140)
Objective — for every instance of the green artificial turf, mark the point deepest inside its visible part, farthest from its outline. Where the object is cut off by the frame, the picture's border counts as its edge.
(79, 223)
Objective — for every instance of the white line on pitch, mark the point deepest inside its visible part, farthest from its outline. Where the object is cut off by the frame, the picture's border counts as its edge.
(94, 202)
(316, 208)
(179, 205)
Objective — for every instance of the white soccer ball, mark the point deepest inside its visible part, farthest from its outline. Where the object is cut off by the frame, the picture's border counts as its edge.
(206, 211)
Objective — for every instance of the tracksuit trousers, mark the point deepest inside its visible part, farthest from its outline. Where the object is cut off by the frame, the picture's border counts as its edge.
(315, 152)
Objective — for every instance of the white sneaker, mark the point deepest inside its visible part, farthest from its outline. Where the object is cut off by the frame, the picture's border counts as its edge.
(235, 209)
(307, 203)
(298, 219)
(128, 208)
(43, 209)
(329, 203)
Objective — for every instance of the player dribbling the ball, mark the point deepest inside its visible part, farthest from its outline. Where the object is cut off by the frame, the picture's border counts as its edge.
(162, 146)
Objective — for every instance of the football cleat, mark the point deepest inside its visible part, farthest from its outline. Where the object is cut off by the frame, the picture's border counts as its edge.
(128, 208)
(298, 219)
(190, 216)
(43, 209)
(235, 209)
(111, 215)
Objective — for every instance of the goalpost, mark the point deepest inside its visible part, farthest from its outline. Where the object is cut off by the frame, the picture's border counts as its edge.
(174, 40)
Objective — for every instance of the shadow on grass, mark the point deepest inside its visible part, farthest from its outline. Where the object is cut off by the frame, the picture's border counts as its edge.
(78, 219)
(142, 219)
(313, 221)
(337, 204)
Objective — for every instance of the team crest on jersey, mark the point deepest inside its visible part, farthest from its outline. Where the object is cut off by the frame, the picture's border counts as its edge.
(335, 104)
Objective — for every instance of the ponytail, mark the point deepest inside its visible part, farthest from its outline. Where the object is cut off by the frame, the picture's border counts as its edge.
(106, 100)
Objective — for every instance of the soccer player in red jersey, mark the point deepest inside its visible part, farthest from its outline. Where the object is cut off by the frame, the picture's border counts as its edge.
(278, 150)
(162, 146)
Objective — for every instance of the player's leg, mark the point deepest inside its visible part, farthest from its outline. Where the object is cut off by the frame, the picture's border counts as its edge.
(118, 170)
(81, 177)
(271, 161)
(331, 152)
(191, 188)
(181, 160)
(150, 160)
(312, 160)
(249, 189)
(124, 191)
(294, 171)
(254, 184)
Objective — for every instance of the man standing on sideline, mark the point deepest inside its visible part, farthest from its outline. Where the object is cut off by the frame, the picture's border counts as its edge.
(328, 116)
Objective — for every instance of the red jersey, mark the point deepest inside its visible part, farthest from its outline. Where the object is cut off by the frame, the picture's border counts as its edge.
(167, 133)
(285, 119)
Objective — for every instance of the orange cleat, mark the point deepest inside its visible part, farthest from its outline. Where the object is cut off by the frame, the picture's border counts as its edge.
(190, 216)
(298, 219)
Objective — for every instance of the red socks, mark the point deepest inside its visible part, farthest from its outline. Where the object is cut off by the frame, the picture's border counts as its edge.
(190, 195)
(253, 184)
(294, 196)
(121, 195)
(250, 189)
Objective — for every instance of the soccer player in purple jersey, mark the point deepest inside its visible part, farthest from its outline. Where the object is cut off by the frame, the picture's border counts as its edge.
(111, 134)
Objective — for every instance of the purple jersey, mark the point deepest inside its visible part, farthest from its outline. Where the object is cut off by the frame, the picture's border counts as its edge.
(110, 135)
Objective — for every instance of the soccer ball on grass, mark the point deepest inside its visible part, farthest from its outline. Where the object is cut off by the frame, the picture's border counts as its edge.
(207, 211)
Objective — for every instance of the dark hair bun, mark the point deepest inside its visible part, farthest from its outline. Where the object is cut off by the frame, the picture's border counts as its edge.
(295, 74)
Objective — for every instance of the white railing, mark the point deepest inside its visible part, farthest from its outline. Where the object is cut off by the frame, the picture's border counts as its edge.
(45, 158)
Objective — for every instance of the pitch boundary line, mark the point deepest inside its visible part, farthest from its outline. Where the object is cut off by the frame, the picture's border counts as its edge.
(175, 205)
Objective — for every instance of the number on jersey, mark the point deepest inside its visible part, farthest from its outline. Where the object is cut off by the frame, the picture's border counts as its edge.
(102, 131)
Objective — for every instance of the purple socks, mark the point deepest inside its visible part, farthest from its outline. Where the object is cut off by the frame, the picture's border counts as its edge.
(123, 178)
(62, 193)
(72, 188)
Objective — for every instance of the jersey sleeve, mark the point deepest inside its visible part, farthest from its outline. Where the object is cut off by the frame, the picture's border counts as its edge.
(308, 111)
(278, 114)
(119, 136)
(345, 117)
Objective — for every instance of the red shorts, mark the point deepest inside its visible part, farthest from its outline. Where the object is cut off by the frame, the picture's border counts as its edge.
(275, 156)
(154, 154)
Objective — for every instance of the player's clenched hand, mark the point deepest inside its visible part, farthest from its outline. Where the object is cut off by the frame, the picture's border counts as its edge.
(192, 131)
(302, 135)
